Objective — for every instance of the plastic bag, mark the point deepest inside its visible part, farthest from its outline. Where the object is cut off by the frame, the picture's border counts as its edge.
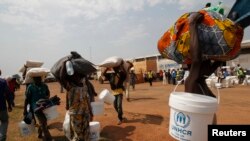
(80, 66)
(83, 66)
(28, 118)
(26, 129)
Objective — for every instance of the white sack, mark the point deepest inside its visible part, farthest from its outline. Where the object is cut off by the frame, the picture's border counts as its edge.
(111, 62)
(30, 63)
(29, 79)
(35, 72)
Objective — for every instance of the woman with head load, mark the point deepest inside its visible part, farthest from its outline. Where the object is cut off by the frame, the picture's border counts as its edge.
(72, 71)
(35, 92)
(78, 104)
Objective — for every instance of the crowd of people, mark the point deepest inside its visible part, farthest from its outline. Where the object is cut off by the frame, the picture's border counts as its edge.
(223, 72)
(177, 75)
(80, 92)
(171, 76)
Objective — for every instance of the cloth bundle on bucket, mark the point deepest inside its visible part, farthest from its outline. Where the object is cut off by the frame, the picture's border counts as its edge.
(46, 103)
(80, 67)
(219, 37)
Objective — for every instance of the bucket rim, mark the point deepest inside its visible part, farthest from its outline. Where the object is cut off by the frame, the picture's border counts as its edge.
(194, 103)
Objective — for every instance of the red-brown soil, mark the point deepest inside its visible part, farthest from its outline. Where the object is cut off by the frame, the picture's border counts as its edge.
(147, 113)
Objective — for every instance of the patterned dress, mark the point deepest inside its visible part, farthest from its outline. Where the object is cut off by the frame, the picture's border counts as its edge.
(79, 111)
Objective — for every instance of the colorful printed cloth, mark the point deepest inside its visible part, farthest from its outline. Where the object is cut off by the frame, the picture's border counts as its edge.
(219, 38)
(80, 130)
(79, 111)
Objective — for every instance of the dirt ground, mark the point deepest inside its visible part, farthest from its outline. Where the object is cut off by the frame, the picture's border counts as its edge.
(147, 113)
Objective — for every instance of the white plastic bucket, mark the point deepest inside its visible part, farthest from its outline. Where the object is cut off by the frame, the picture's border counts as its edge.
(51, 112)
(106, 97)
(94, 130)
(97, 108)
(190, 115)
(26, 129)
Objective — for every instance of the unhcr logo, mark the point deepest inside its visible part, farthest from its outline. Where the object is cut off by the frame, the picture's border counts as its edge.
(181, 122)
(181, 119)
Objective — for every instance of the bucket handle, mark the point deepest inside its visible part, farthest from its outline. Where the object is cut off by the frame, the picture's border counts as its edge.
(178, 84)
(218, 92)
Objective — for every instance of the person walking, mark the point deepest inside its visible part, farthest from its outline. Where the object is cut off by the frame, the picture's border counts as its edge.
(116, 81)
(36, 91)
(133, 79)
(4, 118)
(219, 75)
(12, 87)
(78, 101)
(173, 76)
(160, 76)
(241, 75)
(150, 77)
(164, 80)
(169, 76)
(145, 77)
(72, 73)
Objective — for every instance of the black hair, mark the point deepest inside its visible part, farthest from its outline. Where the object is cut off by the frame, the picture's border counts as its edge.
(208, 4)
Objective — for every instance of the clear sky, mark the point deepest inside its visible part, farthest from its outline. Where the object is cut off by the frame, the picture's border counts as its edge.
(46, 30)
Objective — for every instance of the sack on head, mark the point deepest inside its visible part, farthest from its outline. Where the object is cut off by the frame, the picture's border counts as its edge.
(111, 62)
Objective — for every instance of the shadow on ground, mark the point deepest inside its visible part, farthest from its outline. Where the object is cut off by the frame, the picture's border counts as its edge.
(118, 133)
(56, 125)
(145, 119)
(144, 98)
(59, 138)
